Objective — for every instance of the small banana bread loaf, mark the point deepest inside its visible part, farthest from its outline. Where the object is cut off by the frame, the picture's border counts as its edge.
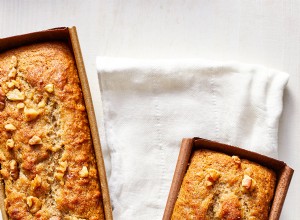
(219, 186)
(46, 152)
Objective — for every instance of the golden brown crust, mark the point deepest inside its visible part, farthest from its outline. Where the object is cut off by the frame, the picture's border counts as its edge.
(218, 186)
(47, 158)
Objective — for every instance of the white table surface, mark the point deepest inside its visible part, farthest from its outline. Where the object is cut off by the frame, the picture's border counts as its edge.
(264, 32)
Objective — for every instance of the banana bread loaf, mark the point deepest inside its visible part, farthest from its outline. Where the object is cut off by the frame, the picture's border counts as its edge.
(47, 157)
(218, 186)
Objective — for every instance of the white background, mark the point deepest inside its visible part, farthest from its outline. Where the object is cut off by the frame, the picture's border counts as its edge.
(264, 32)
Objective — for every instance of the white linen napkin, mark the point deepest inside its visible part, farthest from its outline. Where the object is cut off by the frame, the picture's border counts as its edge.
(150, 105)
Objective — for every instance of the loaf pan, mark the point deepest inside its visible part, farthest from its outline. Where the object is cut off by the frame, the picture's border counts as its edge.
(69, 35)
(283, 172)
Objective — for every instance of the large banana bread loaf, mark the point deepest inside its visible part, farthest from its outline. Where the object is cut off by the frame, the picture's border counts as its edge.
(219, 186)
(46, 152)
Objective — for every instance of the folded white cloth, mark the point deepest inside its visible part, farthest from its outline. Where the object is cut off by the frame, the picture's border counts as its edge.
(150, 105)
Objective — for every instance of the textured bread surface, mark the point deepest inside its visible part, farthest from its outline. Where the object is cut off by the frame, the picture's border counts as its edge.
(47, 158)
(218, 186)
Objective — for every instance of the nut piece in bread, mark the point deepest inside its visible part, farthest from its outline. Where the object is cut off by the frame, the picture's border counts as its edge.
(84, 172)
(15, 95)
(20, 105)
(10, 127)
(35, 140)
(49, 88)
(30, 113)
(33, 203)
(10, 143)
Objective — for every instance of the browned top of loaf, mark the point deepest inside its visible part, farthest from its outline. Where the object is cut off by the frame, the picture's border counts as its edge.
(218, 186)
(47, 157)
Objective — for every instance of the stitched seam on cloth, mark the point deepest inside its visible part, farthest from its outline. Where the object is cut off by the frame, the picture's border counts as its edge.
(214, 102)
(271, 129)
(111, 149)
(267, 111)
(159, 142)
(104, 110)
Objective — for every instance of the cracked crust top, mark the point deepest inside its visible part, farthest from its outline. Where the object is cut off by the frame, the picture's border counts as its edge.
(218, 186)
(46, 152)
